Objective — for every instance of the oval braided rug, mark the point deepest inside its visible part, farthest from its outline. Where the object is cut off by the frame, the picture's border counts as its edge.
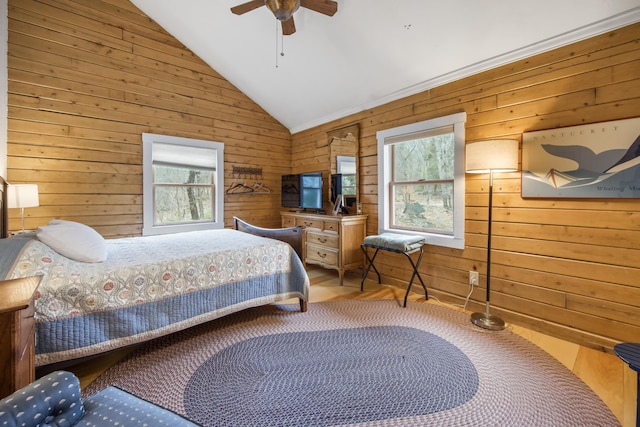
(355, 363)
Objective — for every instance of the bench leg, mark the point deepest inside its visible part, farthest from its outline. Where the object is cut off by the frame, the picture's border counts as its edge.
(414, 274)
(369, 265)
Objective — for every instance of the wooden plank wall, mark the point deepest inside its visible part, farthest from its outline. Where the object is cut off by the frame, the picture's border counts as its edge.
(86, 79)
(569, 268)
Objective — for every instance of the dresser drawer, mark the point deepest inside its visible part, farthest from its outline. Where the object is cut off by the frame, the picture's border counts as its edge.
(309, 223)
(322, 255)
(332, 226)
(325, 239)
(288, 221)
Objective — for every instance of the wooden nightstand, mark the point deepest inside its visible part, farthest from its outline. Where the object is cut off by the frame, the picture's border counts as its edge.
(17, 334)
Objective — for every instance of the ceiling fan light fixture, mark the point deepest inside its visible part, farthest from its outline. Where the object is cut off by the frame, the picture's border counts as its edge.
(282, 9)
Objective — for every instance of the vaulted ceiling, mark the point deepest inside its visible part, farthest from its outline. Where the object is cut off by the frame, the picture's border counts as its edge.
(373, 51)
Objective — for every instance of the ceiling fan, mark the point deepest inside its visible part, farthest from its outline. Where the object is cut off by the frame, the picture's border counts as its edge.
(284, 10)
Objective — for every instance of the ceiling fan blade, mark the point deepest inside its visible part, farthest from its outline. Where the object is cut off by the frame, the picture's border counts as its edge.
(247, 7)
(288, 27)
(326, 7)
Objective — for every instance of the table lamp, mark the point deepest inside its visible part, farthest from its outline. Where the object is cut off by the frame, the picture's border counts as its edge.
(22, 196)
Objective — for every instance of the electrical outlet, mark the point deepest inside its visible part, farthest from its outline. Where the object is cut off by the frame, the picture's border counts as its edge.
(474, 277)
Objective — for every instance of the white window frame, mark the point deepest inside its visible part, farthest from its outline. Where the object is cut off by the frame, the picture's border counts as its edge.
(148, 226)
(386, 138)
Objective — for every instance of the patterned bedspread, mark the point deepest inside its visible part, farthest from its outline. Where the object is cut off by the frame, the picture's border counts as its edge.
(152, 286)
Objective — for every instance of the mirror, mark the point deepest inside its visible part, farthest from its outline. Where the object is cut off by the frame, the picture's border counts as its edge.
(343, 167)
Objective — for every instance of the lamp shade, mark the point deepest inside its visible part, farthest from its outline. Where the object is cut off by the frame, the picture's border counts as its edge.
(22, 196)
(498, 155)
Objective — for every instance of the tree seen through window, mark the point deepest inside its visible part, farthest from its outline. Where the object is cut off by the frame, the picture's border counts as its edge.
(422, 184)
(182, 194)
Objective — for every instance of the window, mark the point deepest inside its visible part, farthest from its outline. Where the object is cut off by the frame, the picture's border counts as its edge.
(421, 180)
(182, 182)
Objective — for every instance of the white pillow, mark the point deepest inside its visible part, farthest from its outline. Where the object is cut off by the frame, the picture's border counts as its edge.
(73, 240)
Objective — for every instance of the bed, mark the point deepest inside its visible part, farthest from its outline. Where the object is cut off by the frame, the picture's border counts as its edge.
(148, 286)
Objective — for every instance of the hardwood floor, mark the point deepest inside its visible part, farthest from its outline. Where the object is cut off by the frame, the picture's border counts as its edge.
(607, 375)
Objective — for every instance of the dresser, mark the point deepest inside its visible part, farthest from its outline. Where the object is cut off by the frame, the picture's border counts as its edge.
(17, 334)
(331, 241)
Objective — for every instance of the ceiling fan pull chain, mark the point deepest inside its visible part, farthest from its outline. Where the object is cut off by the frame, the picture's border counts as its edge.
(281, 43)
(277, 22)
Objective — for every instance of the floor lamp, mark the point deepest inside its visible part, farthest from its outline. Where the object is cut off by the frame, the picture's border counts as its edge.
(22, 196)
(499, 155)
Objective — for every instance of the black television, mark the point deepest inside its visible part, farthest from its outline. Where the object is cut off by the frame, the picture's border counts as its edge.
(290, 191)
(302, 191)
(336, 186)
(343, 184)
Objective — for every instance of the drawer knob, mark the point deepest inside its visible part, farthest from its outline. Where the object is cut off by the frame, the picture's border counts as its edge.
(322, 255)
(322, 240)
